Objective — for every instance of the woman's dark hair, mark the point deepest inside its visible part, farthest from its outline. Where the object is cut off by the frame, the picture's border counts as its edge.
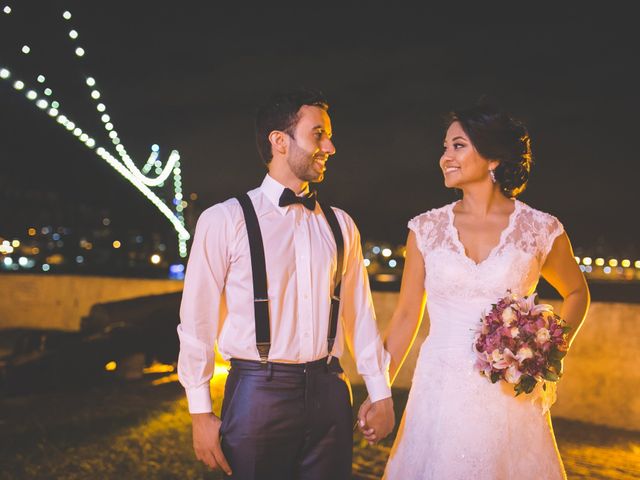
(497, 136)
(280, 112)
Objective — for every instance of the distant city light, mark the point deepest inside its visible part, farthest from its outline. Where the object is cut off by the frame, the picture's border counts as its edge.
(607, 270)
(23, 261)
(155, 259)
(4, 73)
(7, 9)
(18, 85)
(392, 263)
(40, 79)
(90, 81)
(73, 34)
(116, 244)
(106, 221)
(31, 95)
(613, 262)
(367, 262)
(376, 250)
(80, 52)
(48, 92)
(176, 268)
(577, 260)
(66, 15)
(386, 252)
(79, 259)
(111, 366)
(626, 263)
(8, 261)
(26, 49)
(45, 267)
(15, 243)
(637, 264)
(586, 260)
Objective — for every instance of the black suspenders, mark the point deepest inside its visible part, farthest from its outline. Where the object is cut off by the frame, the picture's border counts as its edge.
(259, 273)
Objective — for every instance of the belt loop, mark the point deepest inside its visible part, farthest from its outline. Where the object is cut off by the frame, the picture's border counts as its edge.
(269, 371)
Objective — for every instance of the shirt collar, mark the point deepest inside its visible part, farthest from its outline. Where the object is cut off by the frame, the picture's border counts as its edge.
(273, 190)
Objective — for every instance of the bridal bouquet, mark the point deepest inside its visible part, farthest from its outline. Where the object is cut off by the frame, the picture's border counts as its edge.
(523, 344)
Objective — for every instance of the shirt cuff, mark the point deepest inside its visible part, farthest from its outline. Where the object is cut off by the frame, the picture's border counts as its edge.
(378, 386)
(199, 399)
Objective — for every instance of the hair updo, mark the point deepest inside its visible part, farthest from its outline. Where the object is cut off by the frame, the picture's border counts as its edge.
(497, 136)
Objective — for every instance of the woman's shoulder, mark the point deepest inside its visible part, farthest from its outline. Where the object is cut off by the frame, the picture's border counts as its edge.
(431, 217)
(541, 221)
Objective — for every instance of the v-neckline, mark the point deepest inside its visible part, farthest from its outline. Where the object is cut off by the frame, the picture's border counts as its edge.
(462, 249)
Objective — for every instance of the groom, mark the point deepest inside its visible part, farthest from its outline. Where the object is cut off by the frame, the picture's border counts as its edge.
(278, 280)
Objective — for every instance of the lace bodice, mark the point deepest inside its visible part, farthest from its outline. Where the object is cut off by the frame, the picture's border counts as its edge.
(514, 263)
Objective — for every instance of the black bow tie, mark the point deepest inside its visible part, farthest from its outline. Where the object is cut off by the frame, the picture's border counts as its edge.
(289, 198)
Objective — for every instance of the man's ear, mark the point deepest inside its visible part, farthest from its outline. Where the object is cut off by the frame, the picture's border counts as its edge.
(279, 142)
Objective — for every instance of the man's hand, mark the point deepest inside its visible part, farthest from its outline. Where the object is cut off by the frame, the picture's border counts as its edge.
(206, 441)
(376, 420)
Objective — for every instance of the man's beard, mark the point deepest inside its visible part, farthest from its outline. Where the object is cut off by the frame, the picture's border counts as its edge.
(302, 164)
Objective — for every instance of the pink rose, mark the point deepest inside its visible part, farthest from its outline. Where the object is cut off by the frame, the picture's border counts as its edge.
(508, 316)
(542, 336)
(524, 353)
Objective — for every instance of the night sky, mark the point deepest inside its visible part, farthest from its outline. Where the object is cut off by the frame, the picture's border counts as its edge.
(189, 75)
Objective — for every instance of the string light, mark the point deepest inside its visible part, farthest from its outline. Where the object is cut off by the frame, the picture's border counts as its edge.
(7, 9)
(126, 167)
(26, 49)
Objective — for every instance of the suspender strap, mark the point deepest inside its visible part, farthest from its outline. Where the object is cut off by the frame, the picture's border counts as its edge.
(335, 297)
(259, 272)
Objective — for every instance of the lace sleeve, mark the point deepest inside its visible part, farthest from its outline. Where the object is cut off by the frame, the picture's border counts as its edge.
(418, 226)
(551, 229)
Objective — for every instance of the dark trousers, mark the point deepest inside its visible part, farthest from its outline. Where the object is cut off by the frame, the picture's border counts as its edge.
(287, 422)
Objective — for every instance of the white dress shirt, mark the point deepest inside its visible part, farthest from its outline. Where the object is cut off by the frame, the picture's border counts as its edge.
(300, 255)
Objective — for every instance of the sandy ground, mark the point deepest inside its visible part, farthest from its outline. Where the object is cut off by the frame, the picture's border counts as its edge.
(141, 430)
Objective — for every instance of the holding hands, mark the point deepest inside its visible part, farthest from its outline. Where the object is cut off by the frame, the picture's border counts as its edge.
(376, 419)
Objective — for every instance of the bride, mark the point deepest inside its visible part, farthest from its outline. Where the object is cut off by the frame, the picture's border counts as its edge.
(460, 259)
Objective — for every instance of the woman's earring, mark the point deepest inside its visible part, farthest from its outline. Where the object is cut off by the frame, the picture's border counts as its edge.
(492, 175)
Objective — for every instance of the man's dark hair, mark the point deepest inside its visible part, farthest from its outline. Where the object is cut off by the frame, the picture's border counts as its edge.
(280, 112)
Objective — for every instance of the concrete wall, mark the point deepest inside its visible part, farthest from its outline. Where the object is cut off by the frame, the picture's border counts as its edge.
(60, 301)
(602, 372)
